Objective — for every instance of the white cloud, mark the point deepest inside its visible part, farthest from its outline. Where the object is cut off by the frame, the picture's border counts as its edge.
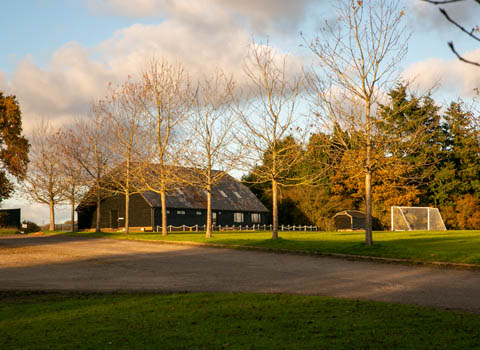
(455, 77)
(63, 89)
(4, 85)
(265, 15)
(428, 15)
(199, 49)
(76, 75)
(202, 38)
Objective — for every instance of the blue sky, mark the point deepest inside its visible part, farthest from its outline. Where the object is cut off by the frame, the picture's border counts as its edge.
(57, 56)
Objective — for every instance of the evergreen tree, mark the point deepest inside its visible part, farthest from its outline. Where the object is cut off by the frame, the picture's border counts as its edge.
(414, 142)
(463, 148)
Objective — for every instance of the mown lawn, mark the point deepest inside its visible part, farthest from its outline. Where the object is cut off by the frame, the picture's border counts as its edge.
(225, 321)
(7, 232)
(443, 246)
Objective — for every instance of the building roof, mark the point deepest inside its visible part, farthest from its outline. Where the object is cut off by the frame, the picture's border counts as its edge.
(352, 213)
(228, 194)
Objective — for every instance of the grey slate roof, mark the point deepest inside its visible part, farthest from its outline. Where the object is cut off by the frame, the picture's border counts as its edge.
(189, 197)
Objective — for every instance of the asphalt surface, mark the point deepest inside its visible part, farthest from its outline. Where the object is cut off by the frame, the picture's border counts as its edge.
(61, 263)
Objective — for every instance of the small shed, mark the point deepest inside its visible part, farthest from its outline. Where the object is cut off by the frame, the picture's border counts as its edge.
(349, 220)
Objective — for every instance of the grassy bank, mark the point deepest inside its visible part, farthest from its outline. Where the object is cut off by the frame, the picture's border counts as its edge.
(443, 246)
(226, 321)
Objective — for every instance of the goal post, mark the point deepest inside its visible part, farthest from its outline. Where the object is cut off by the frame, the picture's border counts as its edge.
(416, 219)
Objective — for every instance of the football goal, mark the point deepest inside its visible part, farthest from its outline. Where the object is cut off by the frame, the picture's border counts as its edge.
(416, 218)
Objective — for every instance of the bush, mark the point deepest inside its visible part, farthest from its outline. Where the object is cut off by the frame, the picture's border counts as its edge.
(31, 227)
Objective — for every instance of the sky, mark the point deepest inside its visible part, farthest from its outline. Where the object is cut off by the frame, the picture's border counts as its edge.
(57, 56)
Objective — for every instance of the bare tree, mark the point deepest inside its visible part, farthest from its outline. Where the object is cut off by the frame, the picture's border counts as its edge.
(73, 180)
(89, 147)
(358, 55)
(123, 108)
(168, 98)
(43, 182)
(472, 33)
(269, 112)
(209, 150)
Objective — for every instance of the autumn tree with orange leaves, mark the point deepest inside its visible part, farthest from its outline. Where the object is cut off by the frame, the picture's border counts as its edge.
(13, 146)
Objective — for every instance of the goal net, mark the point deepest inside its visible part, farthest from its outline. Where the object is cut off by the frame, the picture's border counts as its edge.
(416, 218)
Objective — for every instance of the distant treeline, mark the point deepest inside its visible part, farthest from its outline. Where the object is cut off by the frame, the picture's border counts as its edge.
(442, 168)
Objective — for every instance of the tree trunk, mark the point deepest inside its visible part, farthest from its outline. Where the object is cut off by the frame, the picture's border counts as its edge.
(208, 231)
(52, 216)
(127, 206)
(164, 213)
(72, 216)
(274, 209)
(368, 177)
(97, 223)
(368, 209)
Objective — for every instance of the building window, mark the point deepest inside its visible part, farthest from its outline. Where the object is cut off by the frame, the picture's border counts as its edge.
(180, 212)
(237, 217)
(256, 218)
(223, 194)
(237, 194)
(199, 213)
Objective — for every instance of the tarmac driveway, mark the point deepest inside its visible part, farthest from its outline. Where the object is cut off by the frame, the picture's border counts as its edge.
(61, 263)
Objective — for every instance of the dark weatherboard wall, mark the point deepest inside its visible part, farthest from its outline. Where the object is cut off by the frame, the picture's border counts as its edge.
(192, 217)
(232, 204)
(112, 213)
(10, 218)
(143, 215)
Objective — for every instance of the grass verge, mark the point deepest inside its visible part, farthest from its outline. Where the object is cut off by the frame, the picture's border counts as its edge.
(442, 246)
(225, 321)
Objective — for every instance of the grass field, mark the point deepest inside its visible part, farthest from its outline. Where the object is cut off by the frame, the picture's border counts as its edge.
(7, 232)
(225, 321)
(443, 246)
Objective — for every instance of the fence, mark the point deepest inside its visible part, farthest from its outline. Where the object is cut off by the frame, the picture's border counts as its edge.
(59, 227)
(196, 228)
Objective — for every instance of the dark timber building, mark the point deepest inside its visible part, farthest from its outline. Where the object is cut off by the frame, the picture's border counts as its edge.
(232, 204)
